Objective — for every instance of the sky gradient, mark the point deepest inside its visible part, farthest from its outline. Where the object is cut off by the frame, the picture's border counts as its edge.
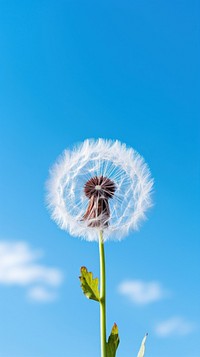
(119, 70)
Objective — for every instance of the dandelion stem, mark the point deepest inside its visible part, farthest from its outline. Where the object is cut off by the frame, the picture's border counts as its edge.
(102, 296)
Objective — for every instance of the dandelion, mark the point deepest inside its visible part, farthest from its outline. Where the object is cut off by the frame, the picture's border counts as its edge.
(100, 190)
(99, 185)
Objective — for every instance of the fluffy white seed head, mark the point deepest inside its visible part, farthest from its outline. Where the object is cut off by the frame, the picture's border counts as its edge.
(67, 200)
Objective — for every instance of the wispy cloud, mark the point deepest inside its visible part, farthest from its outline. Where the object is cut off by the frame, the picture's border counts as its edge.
(19, 266)
(140, 292)
(41, 294)
(175, 326)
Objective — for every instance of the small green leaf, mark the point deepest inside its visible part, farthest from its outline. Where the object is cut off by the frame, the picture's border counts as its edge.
(89, 285)
(142, 347)
(113, 342)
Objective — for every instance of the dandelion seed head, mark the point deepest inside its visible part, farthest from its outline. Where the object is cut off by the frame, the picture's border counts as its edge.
(99, 185)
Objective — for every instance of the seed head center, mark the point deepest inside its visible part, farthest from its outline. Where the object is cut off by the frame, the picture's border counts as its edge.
(98, 187)
(99, 190)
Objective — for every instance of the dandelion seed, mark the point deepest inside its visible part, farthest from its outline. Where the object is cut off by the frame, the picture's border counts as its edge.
(99, 185)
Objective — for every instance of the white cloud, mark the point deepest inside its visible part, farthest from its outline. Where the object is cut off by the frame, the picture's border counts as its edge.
(19, 266)
(141, 292)
(41, 294)
(173, 327)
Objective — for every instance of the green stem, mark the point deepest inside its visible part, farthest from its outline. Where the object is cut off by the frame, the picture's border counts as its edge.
(102, 296)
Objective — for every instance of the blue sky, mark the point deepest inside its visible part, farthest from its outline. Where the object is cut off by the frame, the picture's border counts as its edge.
(71, 70)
